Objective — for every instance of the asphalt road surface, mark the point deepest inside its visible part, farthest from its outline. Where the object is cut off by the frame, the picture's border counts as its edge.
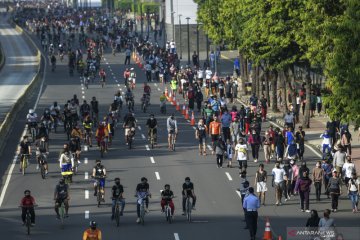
(218, 212)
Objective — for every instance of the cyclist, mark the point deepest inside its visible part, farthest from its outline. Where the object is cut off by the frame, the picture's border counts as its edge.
(145, 99)
(61, 195)
(188, 190)
(55, 111)
(99, 173)
(102, 75)
(163, 103)
(51, 49)
(166, 197)
(46, 118)
(42, 147)
(24, 149)
(85, 109)
(132, 77)
(102, 133)
(75, 148)
(77, 133)
(129, 96)
(27, 204)
(117, 195)
(172, 128)
(129, 124)
(31, 118)
(53, 62)
(88, 123)
(147, 89)
(66, 163)
(142, 193)
(126, 76)
(118, 98)
(152, 125)
(92, 233)
(94, 109)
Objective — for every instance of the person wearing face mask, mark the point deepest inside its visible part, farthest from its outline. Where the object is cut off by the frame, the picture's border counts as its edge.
(302, 186)
(318, 176)
(24, 149)
(28, 203)
(353, 191)
(313, 221)
(166, 197)
(92, 233)
(303, 168)
(99, 173)
(255, 142)
(172, 128)
(117, 195)
(267, 146)
(200, 134)
(142, 193)
(66, 163)
(61, 195)
(188, 190)
(152, 126)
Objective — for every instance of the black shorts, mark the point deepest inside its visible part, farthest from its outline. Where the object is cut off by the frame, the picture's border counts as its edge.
(202, 140)
(214, 138)
(242, 163)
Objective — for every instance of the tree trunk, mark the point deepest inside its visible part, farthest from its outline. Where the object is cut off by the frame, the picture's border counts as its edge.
(306, 121)
(274, 80)
(292, 85)
(258, 82)
(284, 91)
(267, 93)
(254, 81)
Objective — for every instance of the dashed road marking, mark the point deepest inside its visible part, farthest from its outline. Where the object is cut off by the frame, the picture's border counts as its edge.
(139, 128)
(152, 160)
(238, 193)
(228, 176)
(86, 194)
(176, 235)
(87, 214)
(194, 128)
(157, 175)
(147, 147)
(86, 160)
(209, 147)
(143, 136)
(86, 175)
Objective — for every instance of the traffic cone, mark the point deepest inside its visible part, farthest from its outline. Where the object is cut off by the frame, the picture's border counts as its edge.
(187, 114)
(170, 97)
(166, 93)
(267, 233)
(183, 110)
(192, 122)
(177, 106)
(174, 101)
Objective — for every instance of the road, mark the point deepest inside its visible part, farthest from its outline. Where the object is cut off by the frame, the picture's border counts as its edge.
(20, 66)
(219, 213)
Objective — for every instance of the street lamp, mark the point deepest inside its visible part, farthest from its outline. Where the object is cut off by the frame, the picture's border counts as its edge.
(148, 22)
(188, 36)
(197, 42)
(173, 25)
(180, 36)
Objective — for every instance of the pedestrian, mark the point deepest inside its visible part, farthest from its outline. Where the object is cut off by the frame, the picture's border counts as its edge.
(326, 222)
(244, 187)
(348, 169)
(200, 134)
(334, 188)
(251, 204)
(229, 153)
(280, 145)
(255, 142)
(199, 98)
(235, 130)
(241, 154)
(214, 131)
(303, 168)
(300, 142)
(303, 186)
(353, 191)
(295, 175)
(267, 146)
(260, 183)
(313, 220)
(318, 178)
(289, 119)
(225, 123)
(339, 160)
(264, 107)
(234, 90)
(346, 141)
(220, 149)
(290, 151)
(326, 143)
(288, 187)
(127, 56)
(278, 175)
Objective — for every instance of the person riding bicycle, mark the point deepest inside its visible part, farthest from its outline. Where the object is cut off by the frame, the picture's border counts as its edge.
(42, 148)
(61, 195)
(66, 162)
(147, 89)
(166, 197)
(46, 118)
(24, 149)
(132, 77)
(94, 108)
(51, 49)
(117, 195)
(77, 133)
(173, 87)
(172, 128)
(99, 173)
(88, 123)
(55, 110)
(102, 75)
(129, 96)
(92, 233)
(31, 118)
(142, 193)
(102, 133)
(188, 190)
(75, 148)
(118, 98)
(152, 125)
(61, 49)
(145, 99)
(53, 61)
(27, 203)
(114, 106)
(126, 76)
(85, 109)
(129, 124)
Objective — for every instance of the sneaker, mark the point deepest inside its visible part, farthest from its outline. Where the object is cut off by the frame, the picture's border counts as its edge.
(46, 172)
(138, 220)
(277, 203)
(255, 160)
(302, 210)
(307, 210)
(183, 213)
(280, 203)
(147, 210)
(332, 210)
(335, 210)
(286, 199)
(66, 215)
(78, 161)
(95, 194)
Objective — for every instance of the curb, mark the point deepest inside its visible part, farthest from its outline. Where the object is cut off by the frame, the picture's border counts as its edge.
(3, 58)
(6, 125)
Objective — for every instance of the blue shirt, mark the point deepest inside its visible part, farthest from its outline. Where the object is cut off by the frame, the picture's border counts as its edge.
(251, 202)
(290, 137)
(226, 120)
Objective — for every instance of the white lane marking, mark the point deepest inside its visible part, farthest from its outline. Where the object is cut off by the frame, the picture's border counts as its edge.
(82, 92)
(104, 59)
(157, 175)
(86, 194)
(228, 176)
(86, 175)
(83, 97)
(147, 147)
(139, 128)
(238, 193)
(119, 86)
(82, 88)
(86, 160)
(8, 178)
(159, 89)
(176, 235)
(116, 80)
(110, 70)
(209, 147)
(194, 128)
(155, 84)
(107, 64)
(143, 136)
(87, 213)
(152, 160)
(82, 84)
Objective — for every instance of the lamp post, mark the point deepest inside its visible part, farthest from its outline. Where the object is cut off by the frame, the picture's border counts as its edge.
(142, 22)
(148, 22)
(134, 16)
(197, 42)
(173, 25)
(180, 36)
(188, 37)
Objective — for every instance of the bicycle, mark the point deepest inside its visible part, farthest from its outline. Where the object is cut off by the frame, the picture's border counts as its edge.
(117, 211)
(144, 106)
(102, 147)
(42, 162)
(188, 208)
(142, 210)
(33, 130)
(28, 219)
(102, 82)
(100, 194)
(24, 162)
(130, 136)
(168, 213)
(130, 104)
(76, 163)
(62, 213)
(172, 140)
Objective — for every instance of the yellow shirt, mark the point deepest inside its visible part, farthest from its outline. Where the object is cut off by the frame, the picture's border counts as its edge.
(90, 234)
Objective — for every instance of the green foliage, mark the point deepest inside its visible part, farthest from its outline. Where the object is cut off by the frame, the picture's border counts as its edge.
(124, 4)
(152, 7)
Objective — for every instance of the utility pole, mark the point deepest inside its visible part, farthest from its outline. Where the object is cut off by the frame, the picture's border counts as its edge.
(180, 40)
(188, 36)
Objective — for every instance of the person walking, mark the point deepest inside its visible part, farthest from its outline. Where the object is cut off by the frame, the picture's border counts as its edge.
(220, 149)
(200, 134)
(295, 175)
(260, 183)
(300, 142)
(313, 220)
(229, 153)
(326, 222)
(278, 182)
(241, 154)
(280, 145)
(353, 191)
(318, 178)
(225, 123)
(348, 169)
(267, 146)
(214, 131)
(334, 188)
(255, 142)
(251, 204)
(303, 188)
(288, 187)
(327, 167)
(339, 160)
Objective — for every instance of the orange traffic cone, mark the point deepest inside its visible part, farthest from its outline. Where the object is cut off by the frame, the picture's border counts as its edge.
(187, 114)
(192, 122)
(183, 110)
(170, 97)
(177, 106)
(166, 93)
(267, 233)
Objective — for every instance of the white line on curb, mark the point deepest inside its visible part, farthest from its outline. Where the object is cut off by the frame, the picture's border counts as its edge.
(147, 147)
(86, 175)
(176, 236)
(8, 179)
(238, 193)
(228, 175)
(86, 194)
(86, 160)
(139, 127)
(157, 175)
(143, 136)
(152, 160)
(87, 213)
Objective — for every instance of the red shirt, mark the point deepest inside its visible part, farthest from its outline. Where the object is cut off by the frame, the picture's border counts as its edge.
(28, 201)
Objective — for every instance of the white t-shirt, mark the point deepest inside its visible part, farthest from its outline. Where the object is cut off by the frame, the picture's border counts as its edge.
(353, 187)
(278, 174)
(208, 74)
(172, 44)
(241, 150)
(200, 74)
(348, 169)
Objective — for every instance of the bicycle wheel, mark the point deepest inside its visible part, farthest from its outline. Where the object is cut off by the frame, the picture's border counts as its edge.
(169, 216)
(42, 170)
(142, 214)
(101, 151)
(99, 195)
(62, 214)
(173, 142)
(188, 209)
(117, 214)
(24, 165)
(28, 223)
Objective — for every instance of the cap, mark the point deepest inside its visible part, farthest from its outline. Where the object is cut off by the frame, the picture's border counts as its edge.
(334, 170)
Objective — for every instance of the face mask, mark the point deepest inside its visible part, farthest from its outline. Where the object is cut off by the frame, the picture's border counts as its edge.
(93, 228)
(187, 182)
(172, 118)
(117, 183)
(152, 118)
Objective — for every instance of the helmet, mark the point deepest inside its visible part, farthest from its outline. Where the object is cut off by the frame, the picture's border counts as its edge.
(117, 179)
(92, 224)
(131, 69)
(187, 179)
(167, 185)
(61, 181)
(55, 103)
(98, 161)
(143, 179)
(27, 191)
(31, 111)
